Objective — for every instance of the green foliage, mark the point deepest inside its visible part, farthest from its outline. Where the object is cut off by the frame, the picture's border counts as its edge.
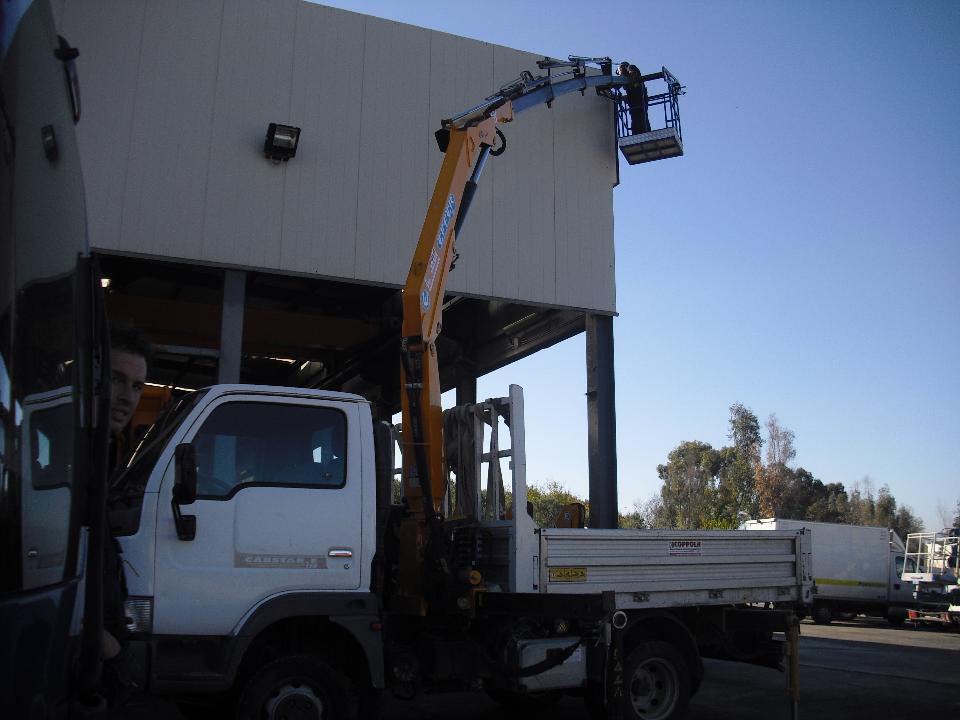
(548, 500)
(829, 503)
(719, 523)
(956, 518)
(690, 478)
(630, 521)
(703, 487)
(745, 430)
(736, 491)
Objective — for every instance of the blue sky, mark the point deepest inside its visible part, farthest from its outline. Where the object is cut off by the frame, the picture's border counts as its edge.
(803, 258)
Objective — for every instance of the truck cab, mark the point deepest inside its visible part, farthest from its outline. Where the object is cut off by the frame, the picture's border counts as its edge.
(265, 458)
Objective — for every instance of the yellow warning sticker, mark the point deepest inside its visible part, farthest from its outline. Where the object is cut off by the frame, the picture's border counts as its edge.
(568, 574)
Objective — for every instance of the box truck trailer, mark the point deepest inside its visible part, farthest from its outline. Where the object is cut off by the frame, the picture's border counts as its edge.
(856, 569)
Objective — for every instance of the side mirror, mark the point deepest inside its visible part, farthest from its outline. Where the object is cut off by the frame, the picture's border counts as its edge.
(184, 490)
(185, 484)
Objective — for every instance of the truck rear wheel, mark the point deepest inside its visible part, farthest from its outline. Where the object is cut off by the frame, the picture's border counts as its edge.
(296, 687)
(657, 682)
(822, 614)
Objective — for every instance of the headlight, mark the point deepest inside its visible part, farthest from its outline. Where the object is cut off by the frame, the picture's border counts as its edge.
(138, 612)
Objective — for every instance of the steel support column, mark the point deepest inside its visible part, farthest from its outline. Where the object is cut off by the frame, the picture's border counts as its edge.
(231, 325)
(601, 422)
(466, 383)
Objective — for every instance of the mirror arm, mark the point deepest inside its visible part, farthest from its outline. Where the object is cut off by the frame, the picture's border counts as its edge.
(186, 524)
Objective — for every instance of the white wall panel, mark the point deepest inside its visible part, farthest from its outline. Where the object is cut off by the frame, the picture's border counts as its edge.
(393, 138)
(165, 173)
(585, 162)
(523, 240)
(244, 211)
(321, 191)
(462, 74)
(108, 66)
(178, 96)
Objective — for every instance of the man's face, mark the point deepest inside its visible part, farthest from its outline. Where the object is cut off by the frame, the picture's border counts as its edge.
(129, 374)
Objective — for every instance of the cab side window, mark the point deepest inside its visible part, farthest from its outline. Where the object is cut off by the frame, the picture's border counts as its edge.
(258, 444)
(910, 565)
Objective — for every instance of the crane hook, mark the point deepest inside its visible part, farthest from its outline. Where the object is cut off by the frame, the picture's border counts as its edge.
(503, 144)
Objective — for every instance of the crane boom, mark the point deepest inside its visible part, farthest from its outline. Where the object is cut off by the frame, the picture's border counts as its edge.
(467, 140)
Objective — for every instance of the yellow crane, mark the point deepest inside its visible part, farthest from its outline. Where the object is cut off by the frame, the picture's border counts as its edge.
(467, 141)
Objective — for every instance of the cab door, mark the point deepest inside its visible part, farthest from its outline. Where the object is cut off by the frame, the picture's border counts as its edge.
(278, 510)
(901, 592)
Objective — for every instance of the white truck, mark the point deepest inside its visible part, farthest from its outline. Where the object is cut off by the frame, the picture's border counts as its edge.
(856, 569)
(932, 569)
(283, 587)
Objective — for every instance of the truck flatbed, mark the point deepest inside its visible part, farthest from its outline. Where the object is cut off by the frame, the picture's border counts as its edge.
(673, 568)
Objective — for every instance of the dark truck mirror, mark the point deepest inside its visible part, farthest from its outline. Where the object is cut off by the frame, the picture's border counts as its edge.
(185, 484)
(185, 490)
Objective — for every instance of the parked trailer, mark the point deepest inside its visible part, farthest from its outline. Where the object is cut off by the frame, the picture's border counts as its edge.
(856, 569)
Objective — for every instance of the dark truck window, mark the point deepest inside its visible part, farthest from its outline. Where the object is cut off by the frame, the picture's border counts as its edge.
(256, 444)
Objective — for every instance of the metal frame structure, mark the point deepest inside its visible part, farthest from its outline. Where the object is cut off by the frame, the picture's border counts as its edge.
(935, 557)
(656, 144)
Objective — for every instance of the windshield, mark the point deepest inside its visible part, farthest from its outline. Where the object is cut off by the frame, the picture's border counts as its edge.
(127, 488)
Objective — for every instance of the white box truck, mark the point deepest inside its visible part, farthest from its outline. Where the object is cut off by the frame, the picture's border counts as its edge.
(856, 569)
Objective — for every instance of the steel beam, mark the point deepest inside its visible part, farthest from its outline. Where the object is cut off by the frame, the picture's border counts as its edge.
(466, 383)
(601, 422)
(231, 325)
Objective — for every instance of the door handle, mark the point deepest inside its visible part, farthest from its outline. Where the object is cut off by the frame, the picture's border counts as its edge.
(33, 553)
(340, 553)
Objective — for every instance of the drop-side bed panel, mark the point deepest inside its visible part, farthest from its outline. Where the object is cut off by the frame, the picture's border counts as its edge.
(672, 568)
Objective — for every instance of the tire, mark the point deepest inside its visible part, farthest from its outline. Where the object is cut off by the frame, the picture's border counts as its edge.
(896, 620)
(295, 686)
(656, 682)
(822, 614)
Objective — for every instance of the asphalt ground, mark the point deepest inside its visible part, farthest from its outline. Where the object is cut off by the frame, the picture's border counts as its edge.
(863, 669)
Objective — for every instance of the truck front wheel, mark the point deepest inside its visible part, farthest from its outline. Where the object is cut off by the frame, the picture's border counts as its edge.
(657, 682)
(295, 686)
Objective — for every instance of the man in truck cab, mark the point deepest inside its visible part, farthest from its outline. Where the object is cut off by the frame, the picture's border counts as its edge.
(130, 353)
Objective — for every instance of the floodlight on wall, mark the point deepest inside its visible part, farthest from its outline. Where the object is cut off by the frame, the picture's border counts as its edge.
(281, 142)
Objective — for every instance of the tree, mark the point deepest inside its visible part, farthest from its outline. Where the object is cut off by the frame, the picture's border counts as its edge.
(773, 478)
(651, 512)
(956, 518)
(548, 500)
(885, 508)
(637, 519)
(905, 522)
(708, 488)
(832, 505)
(744, 430)
(738, 465)
(688, 493)
(802, 492)
(862, 506)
